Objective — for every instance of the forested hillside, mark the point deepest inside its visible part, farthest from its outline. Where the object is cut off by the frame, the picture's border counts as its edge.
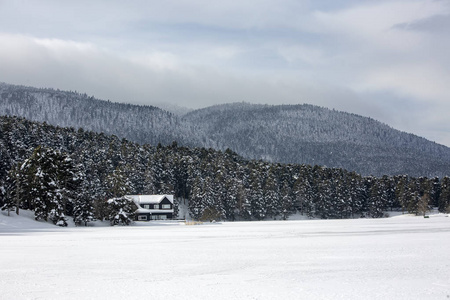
(315, 135)
(143, 124)
(61, 172)
(301, 134)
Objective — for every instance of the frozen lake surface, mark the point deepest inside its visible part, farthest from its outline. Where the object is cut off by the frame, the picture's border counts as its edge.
(403, 257)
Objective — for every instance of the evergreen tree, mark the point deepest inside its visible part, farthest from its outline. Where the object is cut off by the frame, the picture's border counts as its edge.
(196, 205)
(83, 207)
(444, 197)
(223, 183)
(271, 195)
(230, 198)
(376, 201)
(40, 185)
(121, 211)
(413, 196)
(4, 203)
(258, 204)
(435, 191)
(10, 191)
(287, 202)
(69, 178)
(149, 179)
(118, 184)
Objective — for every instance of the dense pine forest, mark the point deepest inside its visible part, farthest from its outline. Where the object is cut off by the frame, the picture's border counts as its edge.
(315, 135)
(289, 134)
(61, 172)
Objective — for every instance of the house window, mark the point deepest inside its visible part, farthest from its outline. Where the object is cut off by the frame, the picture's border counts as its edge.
(156, 206)
(147, 206)
(165, 206)
(142, 218)
(162, 217)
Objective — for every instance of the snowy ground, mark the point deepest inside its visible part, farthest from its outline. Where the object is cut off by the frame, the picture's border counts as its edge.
(403, 257)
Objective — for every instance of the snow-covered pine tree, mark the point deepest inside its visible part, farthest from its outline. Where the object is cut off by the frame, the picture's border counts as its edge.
(69, 180)
(149, 185)
(229, 198)
(121, 211)
(118, 184)
(303, 195)
(258, 205)
(3, 205)
(287, 201)
(387, 186)
(435, 191)
(83, 205)
(401, 191)
(376, 200)
(444, 197)
(83, 210)
(196, 205)
(412, 196)
(209, 198)
(41, 183)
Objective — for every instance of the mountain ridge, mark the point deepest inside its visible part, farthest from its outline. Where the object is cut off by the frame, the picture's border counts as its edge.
(301, 133)
(316, 135)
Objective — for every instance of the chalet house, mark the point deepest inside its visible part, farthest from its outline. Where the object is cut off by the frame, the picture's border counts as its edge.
(152, 207)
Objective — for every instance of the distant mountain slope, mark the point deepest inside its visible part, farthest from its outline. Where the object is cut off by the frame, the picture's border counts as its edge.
(314, 135)
(145, 124)
(286, 133)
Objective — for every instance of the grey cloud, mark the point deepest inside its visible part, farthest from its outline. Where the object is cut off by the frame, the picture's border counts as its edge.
(195, 53)
(435, 24)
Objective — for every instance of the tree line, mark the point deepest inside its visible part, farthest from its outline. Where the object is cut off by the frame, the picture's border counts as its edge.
(301, 134)
(64, 172)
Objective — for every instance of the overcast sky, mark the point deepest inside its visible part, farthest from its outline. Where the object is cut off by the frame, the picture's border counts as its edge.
(389, 60)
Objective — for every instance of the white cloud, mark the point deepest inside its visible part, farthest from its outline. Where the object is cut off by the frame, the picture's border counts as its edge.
(372, 19)
(383, 56)
(303, 53)
(366, 57)
(420, 80)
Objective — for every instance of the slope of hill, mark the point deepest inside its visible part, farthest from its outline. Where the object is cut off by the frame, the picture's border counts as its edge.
(286, 133)
(315, 135)
(144, 124)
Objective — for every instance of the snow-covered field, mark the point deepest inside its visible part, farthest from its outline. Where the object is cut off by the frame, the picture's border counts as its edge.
(403, 257)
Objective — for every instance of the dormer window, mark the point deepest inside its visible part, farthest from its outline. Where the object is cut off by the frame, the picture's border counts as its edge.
(156, 206)
(166, 206)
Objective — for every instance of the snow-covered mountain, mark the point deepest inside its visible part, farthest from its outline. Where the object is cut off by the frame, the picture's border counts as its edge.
(286, 133)
(316, 135)
(144, 124)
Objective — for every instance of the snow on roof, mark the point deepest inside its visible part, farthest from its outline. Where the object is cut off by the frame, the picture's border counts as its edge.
(149, 199)
(153, 211)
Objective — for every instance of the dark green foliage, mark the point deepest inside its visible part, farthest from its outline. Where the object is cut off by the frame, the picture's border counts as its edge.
(444, 197)
(210, 214)
(300, 134)
(6, 202)
(83, 207)
(46, 182)
(118, 183)
(65, 172)
(10, 191)
(121, 211)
